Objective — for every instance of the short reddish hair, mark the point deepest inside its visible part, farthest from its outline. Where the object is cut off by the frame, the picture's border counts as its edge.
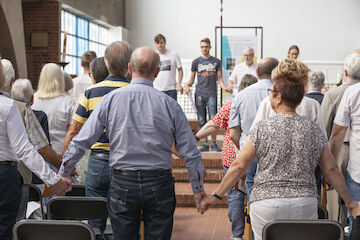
(206, 40)
(290, 86)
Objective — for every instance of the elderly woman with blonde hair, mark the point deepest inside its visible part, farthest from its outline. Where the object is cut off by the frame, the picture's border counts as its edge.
(288, 148)
(50, 98)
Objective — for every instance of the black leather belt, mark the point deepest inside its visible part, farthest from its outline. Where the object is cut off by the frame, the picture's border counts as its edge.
(97, 154)
(8, 163)
(143, 173)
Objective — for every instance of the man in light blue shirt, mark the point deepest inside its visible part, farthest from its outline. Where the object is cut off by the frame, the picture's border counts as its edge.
(142, 123)
(245, 105)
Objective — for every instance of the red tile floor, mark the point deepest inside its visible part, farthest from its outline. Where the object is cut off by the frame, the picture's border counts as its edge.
(190, 225)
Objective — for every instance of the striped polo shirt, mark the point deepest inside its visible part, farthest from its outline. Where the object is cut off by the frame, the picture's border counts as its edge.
(91, 98)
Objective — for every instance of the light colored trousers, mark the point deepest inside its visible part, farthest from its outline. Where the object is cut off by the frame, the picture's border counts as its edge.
(268, 210)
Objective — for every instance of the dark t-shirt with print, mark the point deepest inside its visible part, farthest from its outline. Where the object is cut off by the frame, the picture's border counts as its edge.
(206, 70)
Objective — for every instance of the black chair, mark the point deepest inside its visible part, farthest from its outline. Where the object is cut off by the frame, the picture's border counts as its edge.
(36, 196)
(77, 190)
(77, 208)
(52, 229)
(303, 229)
(322, 212)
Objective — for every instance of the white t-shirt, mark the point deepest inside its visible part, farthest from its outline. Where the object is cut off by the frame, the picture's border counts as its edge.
(59, 111)
(81, 83)
(239, 71)
(348, 115)
(166, 79)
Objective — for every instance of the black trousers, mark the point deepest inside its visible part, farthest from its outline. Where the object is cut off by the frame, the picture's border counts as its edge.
(10, 195)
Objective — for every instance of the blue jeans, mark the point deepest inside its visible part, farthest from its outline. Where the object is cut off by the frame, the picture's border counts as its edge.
(10, 195)
(354, 189)
(131, 196)
(236, 210)
(171, 93)
(97, 183)
(250, 175)
(202, 104)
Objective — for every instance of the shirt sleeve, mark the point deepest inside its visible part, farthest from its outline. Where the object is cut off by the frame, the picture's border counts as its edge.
(194, 65)
(235, 118)
(218, 65)
(185, 144)
(89, 133)
(328, 113)
(25, 152)
(178, 61)
(82, 111)
(342, 117)
(34, 130)
(221, 118)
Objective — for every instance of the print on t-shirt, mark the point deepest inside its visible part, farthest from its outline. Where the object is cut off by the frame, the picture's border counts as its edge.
(207, 69)
(165, 65)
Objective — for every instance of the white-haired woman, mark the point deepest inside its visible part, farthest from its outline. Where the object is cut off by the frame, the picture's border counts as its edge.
(50, 97)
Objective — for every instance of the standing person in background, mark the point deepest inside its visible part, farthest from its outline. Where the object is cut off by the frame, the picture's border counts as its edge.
(98, 70)
(315, 84)
(169, 62)
(208, 70)
(246, 67)
(117, 57)
(82, 82)
(235, 197)
(293, 52)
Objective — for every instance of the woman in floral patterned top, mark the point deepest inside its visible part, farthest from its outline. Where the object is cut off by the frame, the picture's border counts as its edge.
(288, 148)
(221, 121)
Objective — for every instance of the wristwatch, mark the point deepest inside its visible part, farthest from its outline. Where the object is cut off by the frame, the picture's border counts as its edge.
(215, 195)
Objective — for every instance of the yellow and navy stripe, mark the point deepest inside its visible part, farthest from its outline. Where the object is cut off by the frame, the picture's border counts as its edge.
(91, 98)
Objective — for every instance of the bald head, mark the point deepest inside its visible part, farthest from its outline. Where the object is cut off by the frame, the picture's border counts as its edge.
(144, 63)
(266, 66)
(357, 51)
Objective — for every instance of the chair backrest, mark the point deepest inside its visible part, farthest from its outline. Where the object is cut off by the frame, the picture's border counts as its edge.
(36, 196)
(322, 212)
(303, 229)
(52, 229)
(77, 208)
(77, 190)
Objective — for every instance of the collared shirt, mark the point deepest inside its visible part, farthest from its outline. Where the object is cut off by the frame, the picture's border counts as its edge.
(142, 123)
(15, 145)
(308, 108)
(245, 105)
(91, 98)
(238, 73)
(348, 116)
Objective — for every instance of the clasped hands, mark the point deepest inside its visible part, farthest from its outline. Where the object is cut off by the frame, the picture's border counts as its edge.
(63, 186)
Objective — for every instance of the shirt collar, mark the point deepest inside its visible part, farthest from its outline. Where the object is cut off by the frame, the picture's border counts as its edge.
(313, 92)
(116, 78)
(143, 81)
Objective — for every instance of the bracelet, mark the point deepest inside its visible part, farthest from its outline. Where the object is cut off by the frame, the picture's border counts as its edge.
(215, 195)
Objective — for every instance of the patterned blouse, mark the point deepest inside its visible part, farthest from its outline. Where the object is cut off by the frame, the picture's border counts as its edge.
(221, 119)
(288, 148)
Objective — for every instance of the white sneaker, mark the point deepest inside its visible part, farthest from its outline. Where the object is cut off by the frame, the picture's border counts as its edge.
(236, 238)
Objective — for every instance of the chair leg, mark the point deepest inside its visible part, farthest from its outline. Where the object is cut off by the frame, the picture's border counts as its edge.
(142, 227)
(323, 195)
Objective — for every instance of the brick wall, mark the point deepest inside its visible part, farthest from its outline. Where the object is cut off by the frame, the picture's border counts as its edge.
(41, 16)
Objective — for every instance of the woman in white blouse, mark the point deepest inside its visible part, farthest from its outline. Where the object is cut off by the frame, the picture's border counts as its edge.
(50, 98)
(15, 147)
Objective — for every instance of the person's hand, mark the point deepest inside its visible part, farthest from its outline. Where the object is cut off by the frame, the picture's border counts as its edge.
(206, 203)
(63, 186)
(187, 89)
(179, 88)
(198, 197)
(73, 173)
(356, 210)
(229, 89)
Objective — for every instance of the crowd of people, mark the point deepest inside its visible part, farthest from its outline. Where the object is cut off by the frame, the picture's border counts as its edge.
(283, 137)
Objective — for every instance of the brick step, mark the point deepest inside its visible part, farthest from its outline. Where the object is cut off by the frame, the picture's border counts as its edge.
(210, 160)
(212, 175)
(185, 198)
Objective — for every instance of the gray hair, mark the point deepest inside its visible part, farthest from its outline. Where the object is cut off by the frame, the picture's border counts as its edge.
(9, 72)
(68, 82)
(316, 80)
(98, 69)
(250, 49)
(22, 90)
(144, 63)
(247, 80)
(352, 65)
(117, 56)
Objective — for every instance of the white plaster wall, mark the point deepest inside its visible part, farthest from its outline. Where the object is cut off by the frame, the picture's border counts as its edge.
(325, 30)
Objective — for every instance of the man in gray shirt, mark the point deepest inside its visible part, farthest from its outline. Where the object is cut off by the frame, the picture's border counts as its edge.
(142, 124)
(246, 104)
